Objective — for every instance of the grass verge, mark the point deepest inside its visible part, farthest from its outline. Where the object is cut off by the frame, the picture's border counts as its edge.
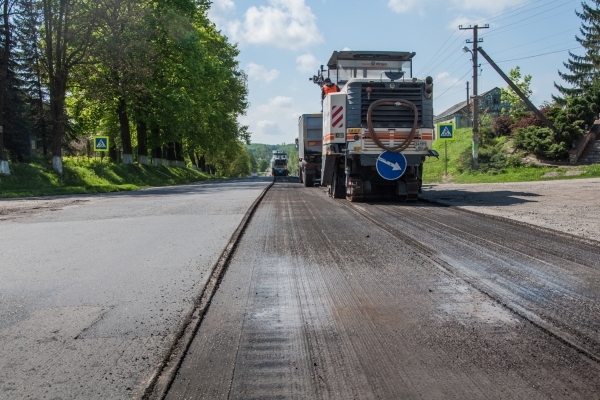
(434, 170)
(83, 175)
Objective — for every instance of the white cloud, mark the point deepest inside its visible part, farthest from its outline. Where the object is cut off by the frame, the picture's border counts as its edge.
(346, 49)
(267, 120)
(443, 81)
(268, 128)
(403, 6)
(288, 24)
(461, 20)
(280, 102)
(219, 10)
(260, 73)
(485, 5)
(307, 63)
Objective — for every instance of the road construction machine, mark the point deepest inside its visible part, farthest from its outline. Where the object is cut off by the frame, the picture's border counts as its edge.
(279, 163)
(310, 148)
(378, 129)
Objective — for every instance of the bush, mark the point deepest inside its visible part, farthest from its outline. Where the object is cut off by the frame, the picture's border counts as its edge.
(501, 126)
(530, 119)
(542, 142)
(491, 160)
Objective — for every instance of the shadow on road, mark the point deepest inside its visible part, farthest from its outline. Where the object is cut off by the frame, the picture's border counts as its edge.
(461, 197)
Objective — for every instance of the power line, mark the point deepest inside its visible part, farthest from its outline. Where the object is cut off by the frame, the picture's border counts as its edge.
(503, 29)
(454, 84)
(543, 5)
(508, 10)
(570, 42)
(449, 94)
(442, 46)
(441, 58)
(535, 41)
(539, 55)
(452, 72)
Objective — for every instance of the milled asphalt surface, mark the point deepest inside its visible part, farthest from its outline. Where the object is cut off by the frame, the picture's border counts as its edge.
(94, 288)
(328, 299)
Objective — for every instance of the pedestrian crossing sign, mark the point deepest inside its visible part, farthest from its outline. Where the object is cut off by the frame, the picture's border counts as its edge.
(445, 131)
(101, 143)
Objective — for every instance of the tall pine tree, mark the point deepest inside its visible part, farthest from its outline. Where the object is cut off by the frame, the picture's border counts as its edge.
(584, 70)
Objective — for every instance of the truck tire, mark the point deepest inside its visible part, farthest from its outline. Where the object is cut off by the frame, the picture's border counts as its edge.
(308, 180)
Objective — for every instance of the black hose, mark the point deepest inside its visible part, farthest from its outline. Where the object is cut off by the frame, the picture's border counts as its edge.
(392, 102)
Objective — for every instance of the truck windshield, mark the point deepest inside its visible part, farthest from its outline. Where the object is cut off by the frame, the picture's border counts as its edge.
(373, 70)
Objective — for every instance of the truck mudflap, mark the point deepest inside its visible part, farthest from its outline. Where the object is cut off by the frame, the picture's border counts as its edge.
(329, 166)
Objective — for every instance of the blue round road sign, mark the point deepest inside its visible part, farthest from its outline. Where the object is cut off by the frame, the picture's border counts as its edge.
(391, 165)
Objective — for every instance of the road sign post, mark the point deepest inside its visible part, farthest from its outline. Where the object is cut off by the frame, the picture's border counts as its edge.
(445, 132)
(101, 145)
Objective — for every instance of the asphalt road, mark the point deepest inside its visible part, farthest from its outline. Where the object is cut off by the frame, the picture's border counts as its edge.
(327, 299)
(94, 289)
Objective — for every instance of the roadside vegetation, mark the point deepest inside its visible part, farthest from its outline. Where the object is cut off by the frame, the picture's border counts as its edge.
(83, 175)
(157, 78)
(499, 161)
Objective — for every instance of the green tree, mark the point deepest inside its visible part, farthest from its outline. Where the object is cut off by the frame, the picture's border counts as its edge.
(28, 57)
(517, 108)
(583, 69)
(67, 38)
(263, 165)
(119, 67)
(253, 162)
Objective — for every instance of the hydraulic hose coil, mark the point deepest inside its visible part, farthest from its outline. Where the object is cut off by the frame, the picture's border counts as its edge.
(391, 102)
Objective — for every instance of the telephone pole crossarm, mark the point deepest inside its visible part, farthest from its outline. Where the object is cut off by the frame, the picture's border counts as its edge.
(518, 91)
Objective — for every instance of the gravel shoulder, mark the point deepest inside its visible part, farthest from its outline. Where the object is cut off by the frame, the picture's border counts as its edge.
(569, 206)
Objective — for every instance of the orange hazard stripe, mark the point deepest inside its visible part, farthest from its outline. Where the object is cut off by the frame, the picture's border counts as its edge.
(329, 138)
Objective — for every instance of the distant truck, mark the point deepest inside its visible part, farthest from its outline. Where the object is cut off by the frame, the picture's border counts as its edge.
(310, 148)
(279, 163)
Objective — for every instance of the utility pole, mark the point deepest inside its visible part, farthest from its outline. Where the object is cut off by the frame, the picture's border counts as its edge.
(475, 42)
(468, 105)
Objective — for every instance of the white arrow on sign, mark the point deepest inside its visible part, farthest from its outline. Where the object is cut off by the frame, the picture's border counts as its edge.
(395, 166)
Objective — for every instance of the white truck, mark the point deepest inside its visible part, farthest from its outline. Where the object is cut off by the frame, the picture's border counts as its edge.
(378, 129)
(310, 148)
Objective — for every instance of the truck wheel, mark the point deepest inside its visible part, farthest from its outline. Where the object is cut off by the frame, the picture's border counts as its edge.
(308, 180)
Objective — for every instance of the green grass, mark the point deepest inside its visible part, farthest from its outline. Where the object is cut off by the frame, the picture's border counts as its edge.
(434, 169)
(83, 175)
